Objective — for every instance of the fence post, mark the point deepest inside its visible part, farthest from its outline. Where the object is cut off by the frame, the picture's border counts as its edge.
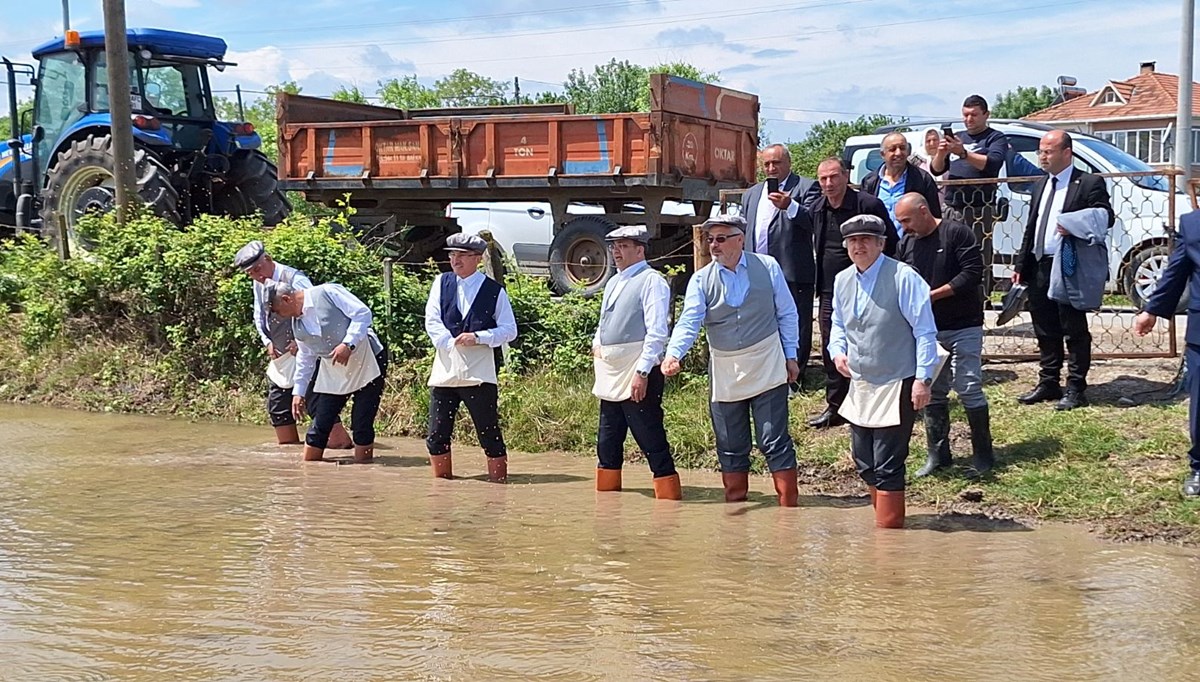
(387, 292)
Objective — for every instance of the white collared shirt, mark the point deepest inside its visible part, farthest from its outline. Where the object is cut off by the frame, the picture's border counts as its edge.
(656, 302)
(1053, 238)
(466, 291)
(765, 213)
(299, 281)
(356, 333)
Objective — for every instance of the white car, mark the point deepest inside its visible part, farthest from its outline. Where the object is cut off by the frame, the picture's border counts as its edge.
(1139, 240)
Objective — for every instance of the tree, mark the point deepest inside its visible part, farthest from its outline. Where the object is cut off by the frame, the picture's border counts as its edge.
(1023, 101)
(407, 93)
(620, 86)
(353, 94)
(6, 121)
(829, 138)
(465, 88)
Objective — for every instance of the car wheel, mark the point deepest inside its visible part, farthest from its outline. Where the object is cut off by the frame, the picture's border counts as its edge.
(579, 258)
(1143, 273)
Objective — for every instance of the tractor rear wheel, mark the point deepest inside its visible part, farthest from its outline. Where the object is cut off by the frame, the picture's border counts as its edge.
(257, 179)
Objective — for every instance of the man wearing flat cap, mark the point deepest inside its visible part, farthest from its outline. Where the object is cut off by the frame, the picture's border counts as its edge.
(333, 330)
(743, 302)
(626, 350)
(468, 318)
(883, 340)
(276, 335)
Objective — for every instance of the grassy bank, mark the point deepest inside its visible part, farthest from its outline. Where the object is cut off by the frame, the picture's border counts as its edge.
(1114, 468)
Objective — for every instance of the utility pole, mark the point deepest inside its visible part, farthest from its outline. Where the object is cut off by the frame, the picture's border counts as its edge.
(116, 50)
(516, 90)
(1183, 115)
(66, 16)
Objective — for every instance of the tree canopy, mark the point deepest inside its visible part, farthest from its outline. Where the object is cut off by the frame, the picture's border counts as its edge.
(828, 138)
(1022, 101)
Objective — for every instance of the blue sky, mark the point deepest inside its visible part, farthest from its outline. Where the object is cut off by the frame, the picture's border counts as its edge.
(808, 60)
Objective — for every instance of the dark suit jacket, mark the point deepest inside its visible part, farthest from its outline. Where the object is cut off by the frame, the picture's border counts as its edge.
(788, 241)
(1083, 191)
(855, 203)
(1183, 268)
(915, 180)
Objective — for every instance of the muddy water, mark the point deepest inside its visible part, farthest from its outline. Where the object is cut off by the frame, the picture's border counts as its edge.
(146, 549)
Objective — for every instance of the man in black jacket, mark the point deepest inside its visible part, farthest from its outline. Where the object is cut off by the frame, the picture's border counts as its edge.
(837, 204)
(946, 254)
(898, 176)
(778, 225)
(1063, 190)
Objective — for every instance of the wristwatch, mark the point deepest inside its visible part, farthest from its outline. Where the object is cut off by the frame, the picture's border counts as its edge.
(643, 374)
(928, 381)
(351, 346)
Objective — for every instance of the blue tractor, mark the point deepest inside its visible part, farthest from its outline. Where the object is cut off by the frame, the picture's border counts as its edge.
(186, 161)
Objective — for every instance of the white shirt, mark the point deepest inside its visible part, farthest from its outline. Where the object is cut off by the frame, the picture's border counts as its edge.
(300, 281)
(360, 323)
(656, 300)
(467, 289)
(765, 213)
(1053, 238)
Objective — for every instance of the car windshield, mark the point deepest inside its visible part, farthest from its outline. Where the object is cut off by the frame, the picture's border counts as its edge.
(1126, 163)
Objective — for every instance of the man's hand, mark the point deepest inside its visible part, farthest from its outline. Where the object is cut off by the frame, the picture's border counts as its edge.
(298, 407)
(671, 367)
(1016, 277)
(596, 352)
(920, 394)
(271, 352)
(780, 199)
(842, 363)
(1061, 230)
(637, 390)
(793, 371)
(341, 354)
(466, 339)
(291, 347)
(954, 146)
(1143, 323)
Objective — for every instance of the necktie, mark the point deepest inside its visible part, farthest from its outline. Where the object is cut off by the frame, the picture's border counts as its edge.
(1039, 246)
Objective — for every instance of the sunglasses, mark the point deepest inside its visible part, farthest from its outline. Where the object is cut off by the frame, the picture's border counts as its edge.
(720, 238)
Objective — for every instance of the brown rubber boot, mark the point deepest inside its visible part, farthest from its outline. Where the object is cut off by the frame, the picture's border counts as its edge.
(497, 469)
(608, 480)
(312, 454)
(287, 435)
(338, 438)
(786, 487)
(364, 454)
(442, 466)
(889, 509)
(873, 492)
(668, 488)
(737, 486)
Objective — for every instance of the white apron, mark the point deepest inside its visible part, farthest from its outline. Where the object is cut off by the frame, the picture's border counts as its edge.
(360, 370)
(877, 406)
(615, 369)
(463, 366)
(281, 370)
(742, 374)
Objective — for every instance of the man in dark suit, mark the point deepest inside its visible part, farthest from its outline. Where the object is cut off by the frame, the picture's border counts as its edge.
(837, 204)
(899, 176)
(1063, 190)
(1183, 268)
(778, 225)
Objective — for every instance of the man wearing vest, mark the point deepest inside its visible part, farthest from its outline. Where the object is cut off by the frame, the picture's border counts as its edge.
(627, 349)
(276, 335)
(742, 300)
(883, 339)
(333, 329)
(468, 318)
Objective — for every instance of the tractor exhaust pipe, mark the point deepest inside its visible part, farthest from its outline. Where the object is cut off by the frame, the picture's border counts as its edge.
(14, 142)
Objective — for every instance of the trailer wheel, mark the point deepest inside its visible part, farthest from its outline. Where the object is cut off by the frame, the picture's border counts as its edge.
(81, 182)
(579, 258)
(253, 174)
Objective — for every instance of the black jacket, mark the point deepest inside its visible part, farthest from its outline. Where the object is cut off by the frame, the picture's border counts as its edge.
(854, 203)
(915, 180)
(788, 241)
(1083, 191)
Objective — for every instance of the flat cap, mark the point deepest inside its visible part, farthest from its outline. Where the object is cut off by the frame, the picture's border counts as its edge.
(728, 220)
(864, 224)
(637, 233)
(465, 242)
(249, 254)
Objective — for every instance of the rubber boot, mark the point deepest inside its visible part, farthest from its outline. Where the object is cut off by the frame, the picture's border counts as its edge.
(313, 454)
(786, 488)
(608, 480)
(873, 492)
(668, 488)
(441, 465)
(889, 509)
(937, 438)
(339, 439)
(983, 456)
(287, 435)
(364, 454)
(497, 469)
(737, 486)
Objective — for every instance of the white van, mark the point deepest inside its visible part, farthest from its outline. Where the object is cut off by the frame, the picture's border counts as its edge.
(1138, 242)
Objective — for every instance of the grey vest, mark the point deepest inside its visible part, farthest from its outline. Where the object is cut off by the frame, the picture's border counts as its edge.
(622, 319)
(881, 345)
(734, 328)
(334, 324)
(276, 327)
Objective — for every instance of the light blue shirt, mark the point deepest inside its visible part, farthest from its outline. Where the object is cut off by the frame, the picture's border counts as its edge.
(915, 306)
(889, 194)
(737, 285)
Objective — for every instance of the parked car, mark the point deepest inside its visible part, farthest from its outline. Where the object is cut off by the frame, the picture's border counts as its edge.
(1139, 240)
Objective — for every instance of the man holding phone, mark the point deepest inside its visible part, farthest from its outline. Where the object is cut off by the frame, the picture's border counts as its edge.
(978, 153)
(779, 225)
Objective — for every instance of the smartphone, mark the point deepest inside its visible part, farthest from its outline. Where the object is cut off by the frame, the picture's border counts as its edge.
(772, 185)
(946, 131)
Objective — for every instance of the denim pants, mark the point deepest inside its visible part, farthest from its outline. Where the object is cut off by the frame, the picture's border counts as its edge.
(964, 368)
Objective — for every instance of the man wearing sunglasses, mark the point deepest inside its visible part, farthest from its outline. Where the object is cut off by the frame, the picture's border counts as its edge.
(743, 302)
